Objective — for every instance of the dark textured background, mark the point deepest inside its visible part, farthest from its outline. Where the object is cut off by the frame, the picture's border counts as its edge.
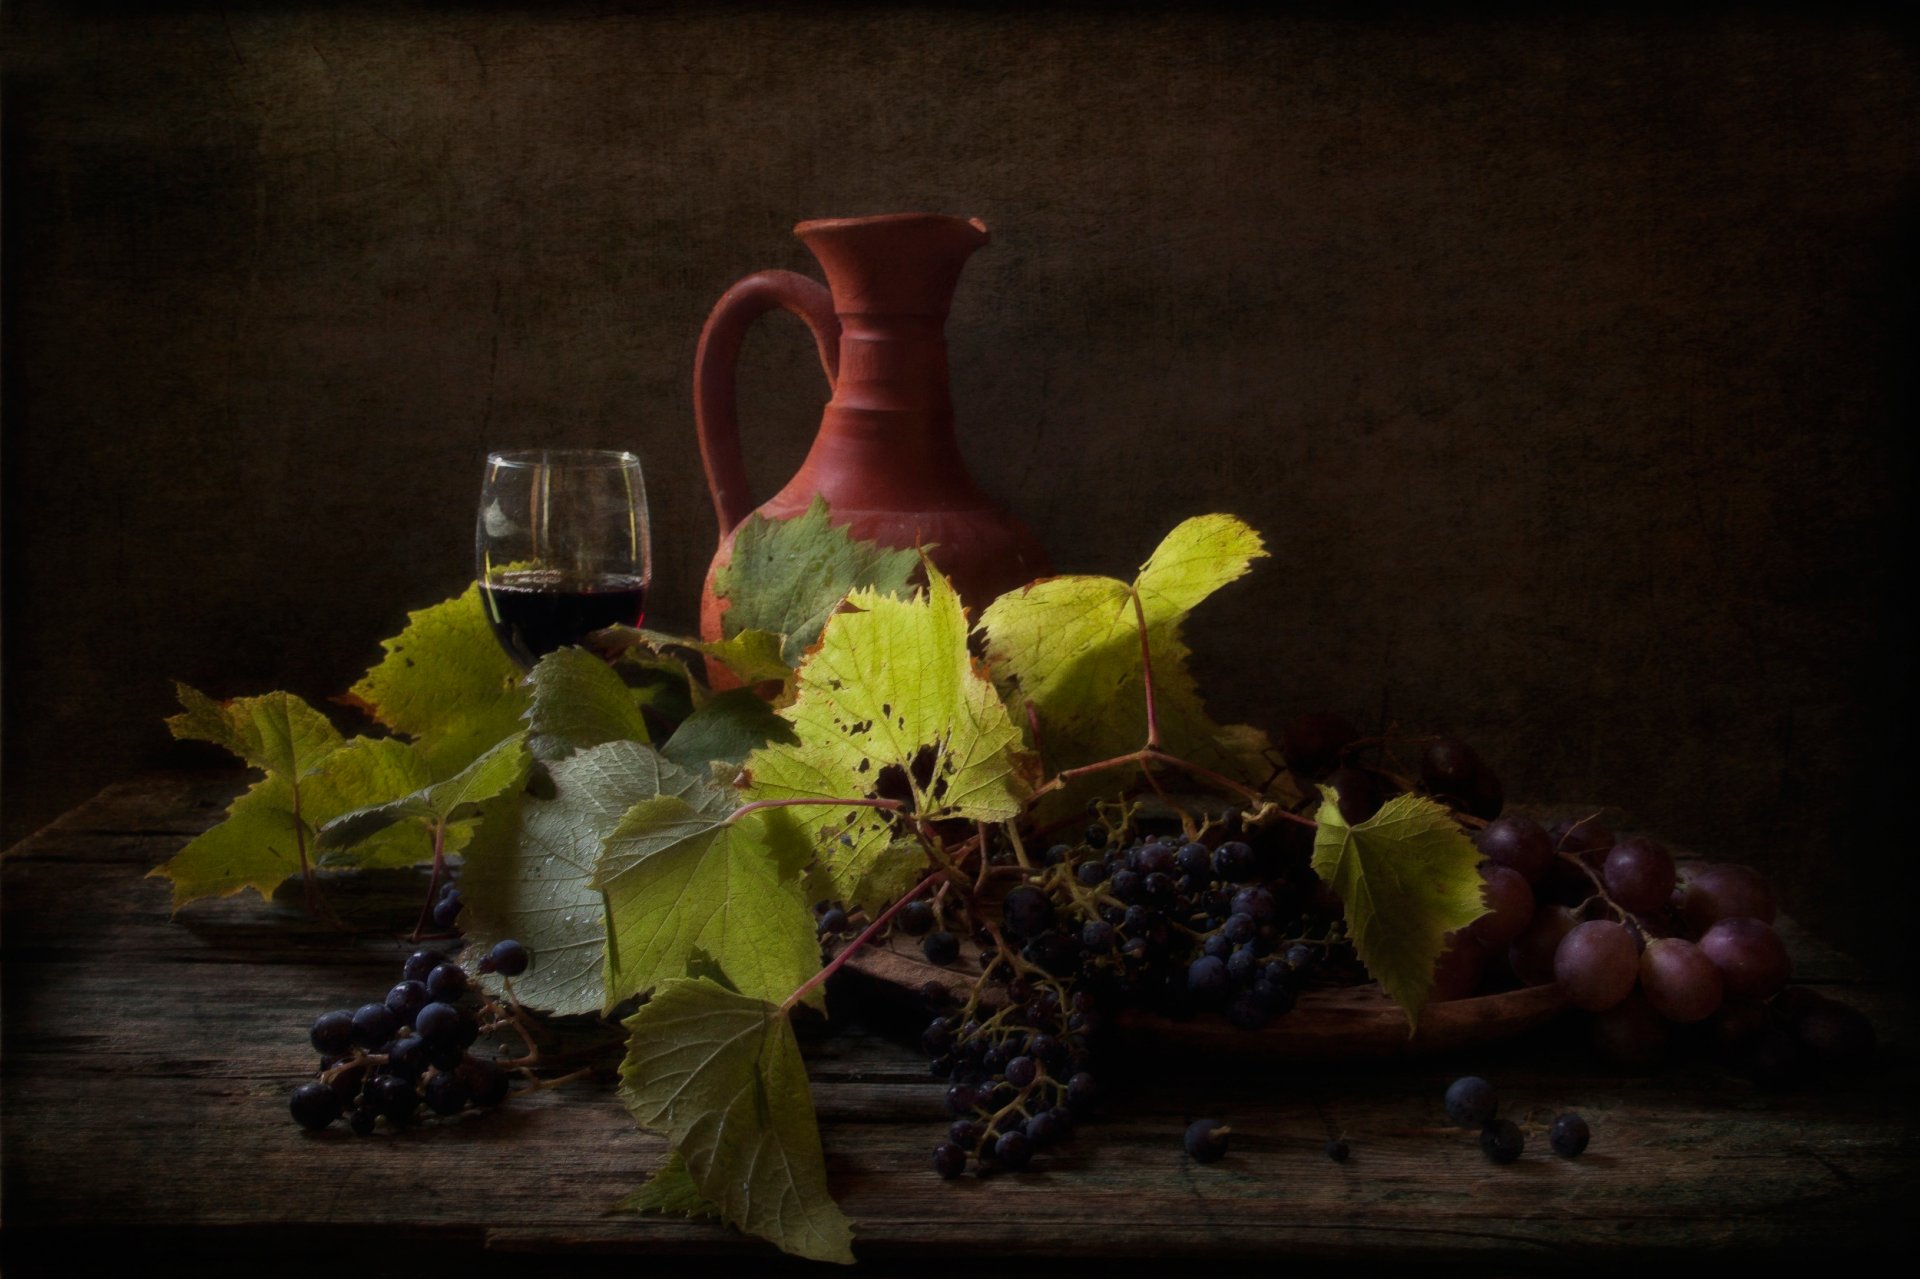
(1559, 357)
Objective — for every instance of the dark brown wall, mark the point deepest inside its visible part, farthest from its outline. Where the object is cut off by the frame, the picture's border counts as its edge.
(1558, 357)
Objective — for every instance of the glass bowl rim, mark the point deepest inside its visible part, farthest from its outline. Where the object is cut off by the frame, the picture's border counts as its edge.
(582, 458)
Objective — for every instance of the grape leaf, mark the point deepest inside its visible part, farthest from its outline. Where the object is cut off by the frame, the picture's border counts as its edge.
(276, 733)
(259, 844)
(1408, 876)
(682, 875)
(720, 1074)
(577, 701)
(529, 870)
(787, 576)
(456, 800)
(728, 728)
(890, 706)
(1069, 648)
(754, 656)
(446, 683)
(671, 1190)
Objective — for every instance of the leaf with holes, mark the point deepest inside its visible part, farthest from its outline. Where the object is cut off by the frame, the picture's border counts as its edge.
(889, 706)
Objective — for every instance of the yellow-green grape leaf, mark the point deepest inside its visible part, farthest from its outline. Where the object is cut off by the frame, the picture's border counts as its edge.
(720, 1074)
(671, 1190)
(276, 732)
(577, 701)
(446, 682)
(1408, 876)
(258, 845)
(458, 799)
(787, 576)
(1069, 648)
(889, 706)
(528, 873)
(680, 877)
(754, 656)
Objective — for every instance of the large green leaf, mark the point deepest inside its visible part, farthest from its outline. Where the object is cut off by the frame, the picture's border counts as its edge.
(787, 576)
(671, 1190)
(682, 875)
(891, 707)
(529, 870)
(1408, 876)
(258, 845)
(456, 800)
(720, 1074)
(446, 682)
(276, 732)
(1069, 649)
(579, 701)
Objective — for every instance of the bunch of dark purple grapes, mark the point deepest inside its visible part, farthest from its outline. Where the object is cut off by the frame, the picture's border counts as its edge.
(384, 1061)
(1156, 922)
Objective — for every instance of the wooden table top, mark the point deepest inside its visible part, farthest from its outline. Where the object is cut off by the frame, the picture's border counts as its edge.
(147, 1063)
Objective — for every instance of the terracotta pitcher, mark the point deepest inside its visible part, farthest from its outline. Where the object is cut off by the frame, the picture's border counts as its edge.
(885, 457)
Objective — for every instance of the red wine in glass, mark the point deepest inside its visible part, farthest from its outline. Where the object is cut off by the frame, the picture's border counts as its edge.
(535, 611)
(562, 547)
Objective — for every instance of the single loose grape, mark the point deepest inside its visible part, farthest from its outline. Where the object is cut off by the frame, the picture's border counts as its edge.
(1569, 1135)
(1471, 1102)
(1502, 1141)
(1206, 1140)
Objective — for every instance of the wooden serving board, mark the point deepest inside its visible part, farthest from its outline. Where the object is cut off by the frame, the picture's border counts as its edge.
(1331, 1023)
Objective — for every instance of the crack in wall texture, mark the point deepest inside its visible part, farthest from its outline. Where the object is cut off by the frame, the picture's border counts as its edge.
(1559, 358)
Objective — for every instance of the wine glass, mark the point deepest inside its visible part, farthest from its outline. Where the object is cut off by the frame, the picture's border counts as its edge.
(562, 546)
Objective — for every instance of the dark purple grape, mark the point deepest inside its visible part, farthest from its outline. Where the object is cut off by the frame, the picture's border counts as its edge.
(447, 983)
(406, 1000)
(1597, 965)
(1195, 860)
(1091, 874)
(1639, 874)
(420, 963)
(949, 1160)
(1207, 980)
(1044, 1130)
(1586, 837)
(1714, 893)
(445, 1094)
(1449, 766)
(1057, 854)
(1834, 1033)
(832, 923)
(1749, 954)
(508, 958)
(1126, 885)
(438, 1021)
(1240, 928)
(1630, 1035)
(916, 919)
(373, 1025)
(1519, 844)
(940, 947)
(961, 1099)
(1243, 966)
(1257, 902)
(332, 1033)
(446, 911)
(408, 1058)
(1510, 907)
(1097, 935)
(1022, 1071)
(1157, 858)
(362, 1120)
(1679, 981)
(1502, 1141)
(1471, 1102)
(1083, 1092)
(1247, 1012)
(1206, 1140)
(965, 1133)
(1234, 861)
(1531, 954)
(393, 1097)
(1338, 1151)
(1027, 912)
(315, 1106)
(1569, 1136)
(1012, 1150)
(1218, 947)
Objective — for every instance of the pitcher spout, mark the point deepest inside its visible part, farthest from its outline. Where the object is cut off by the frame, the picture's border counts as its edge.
(901, 264)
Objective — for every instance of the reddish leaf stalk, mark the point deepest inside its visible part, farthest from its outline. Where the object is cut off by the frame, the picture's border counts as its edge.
(867, 934)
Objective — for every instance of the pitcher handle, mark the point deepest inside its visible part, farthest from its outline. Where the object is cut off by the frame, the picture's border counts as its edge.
(714, 410)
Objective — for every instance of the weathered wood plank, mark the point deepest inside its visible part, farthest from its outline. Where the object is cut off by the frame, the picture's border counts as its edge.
(147, 1062)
